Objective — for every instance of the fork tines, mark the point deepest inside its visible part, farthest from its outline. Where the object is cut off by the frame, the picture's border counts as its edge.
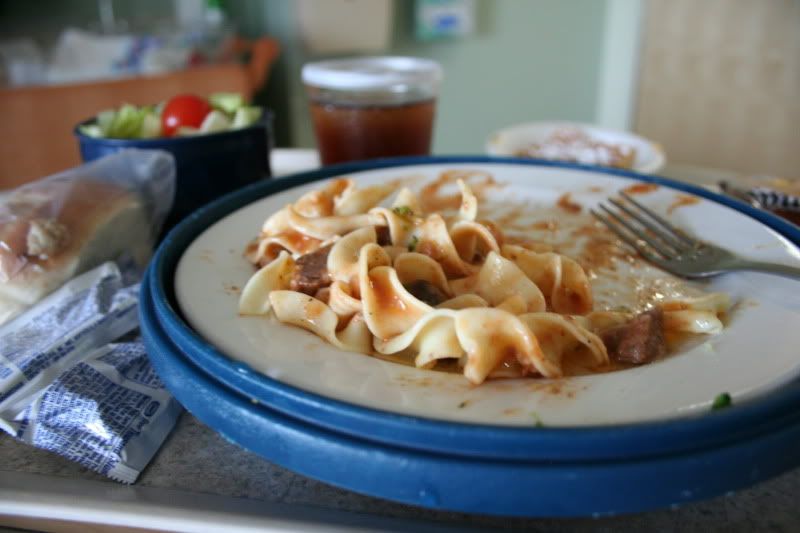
(646, 231)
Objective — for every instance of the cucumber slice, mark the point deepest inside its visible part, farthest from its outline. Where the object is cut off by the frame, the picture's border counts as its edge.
(92, 130)
(151, 126)
(227, 102)
(246, 116)
(215, 121)
(187, 131)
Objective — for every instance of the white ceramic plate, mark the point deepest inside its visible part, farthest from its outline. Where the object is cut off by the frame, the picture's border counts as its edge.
(756, 353)
(507, 142)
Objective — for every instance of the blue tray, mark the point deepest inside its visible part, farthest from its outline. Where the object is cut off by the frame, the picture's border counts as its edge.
(643, 441)
(459, 483)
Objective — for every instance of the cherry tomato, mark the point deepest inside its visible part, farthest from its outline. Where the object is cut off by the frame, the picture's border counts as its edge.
(183, 110)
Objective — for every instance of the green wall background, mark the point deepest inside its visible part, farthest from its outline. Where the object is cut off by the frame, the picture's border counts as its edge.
(527, 60)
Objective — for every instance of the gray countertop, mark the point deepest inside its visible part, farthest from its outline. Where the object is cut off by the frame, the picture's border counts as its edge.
(197, 473)
(197, 460)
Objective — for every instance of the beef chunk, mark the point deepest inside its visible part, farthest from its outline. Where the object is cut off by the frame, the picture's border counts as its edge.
(427, 292)
(311, 272)
(384, 236)
(639, 341)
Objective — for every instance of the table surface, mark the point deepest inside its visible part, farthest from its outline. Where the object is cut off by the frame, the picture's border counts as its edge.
(198, 479)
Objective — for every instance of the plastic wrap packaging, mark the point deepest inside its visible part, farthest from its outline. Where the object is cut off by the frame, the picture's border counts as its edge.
(73, 378)
(53, 229)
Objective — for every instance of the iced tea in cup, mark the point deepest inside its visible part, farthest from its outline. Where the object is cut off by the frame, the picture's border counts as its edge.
(370, 107)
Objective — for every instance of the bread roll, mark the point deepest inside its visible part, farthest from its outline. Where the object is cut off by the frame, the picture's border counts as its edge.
(61, 228)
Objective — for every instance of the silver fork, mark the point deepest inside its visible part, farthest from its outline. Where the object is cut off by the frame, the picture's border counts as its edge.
(666, 246)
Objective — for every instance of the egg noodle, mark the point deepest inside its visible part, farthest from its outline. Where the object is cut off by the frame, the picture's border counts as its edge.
(429, 286)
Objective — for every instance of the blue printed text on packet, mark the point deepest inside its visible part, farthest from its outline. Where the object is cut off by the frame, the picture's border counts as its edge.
(65, 387)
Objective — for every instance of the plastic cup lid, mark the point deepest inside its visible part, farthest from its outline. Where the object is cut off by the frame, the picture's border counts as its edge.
(371, 73)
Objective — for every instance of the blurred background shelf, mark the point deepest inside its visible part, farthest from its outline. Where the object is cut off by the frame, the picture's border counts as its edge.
(714, 84)
(38, 120)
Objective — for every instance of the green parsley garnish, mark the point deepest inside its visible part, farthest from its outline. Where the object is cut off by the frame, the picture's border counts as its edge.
(413, 244)
(537, 421)
(721, 401)
(403, 211)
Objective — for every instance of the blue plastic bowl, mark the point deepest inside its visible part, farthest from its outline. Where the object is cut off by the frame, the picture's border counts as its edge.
(207, 166)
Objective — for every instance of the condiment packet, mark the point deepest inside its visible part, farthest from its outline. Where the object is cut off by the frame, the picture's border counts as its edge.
(66, 387)
(775, 200)
(764, 197)
(779, 195)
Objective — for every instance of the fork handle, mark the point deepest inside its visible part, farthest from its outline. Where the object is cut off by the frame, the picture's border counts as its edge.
(771, 268)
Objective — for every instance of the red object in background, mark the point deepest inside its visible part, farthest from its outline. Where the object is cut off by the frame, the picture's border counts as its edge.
(183, 110)
(197, 58)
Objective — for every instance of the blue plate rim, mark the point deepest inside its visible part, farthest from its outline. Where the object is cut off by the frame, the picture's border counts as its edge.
(651, 438)
(507, 488)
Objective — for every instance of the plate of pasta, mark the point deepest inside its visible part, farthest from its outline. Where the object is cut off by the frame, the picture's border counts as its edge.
(484, 293)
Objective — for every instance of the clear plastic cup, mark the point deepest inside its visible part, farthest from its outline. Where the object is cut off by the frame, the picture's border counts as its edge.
(369, 107)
